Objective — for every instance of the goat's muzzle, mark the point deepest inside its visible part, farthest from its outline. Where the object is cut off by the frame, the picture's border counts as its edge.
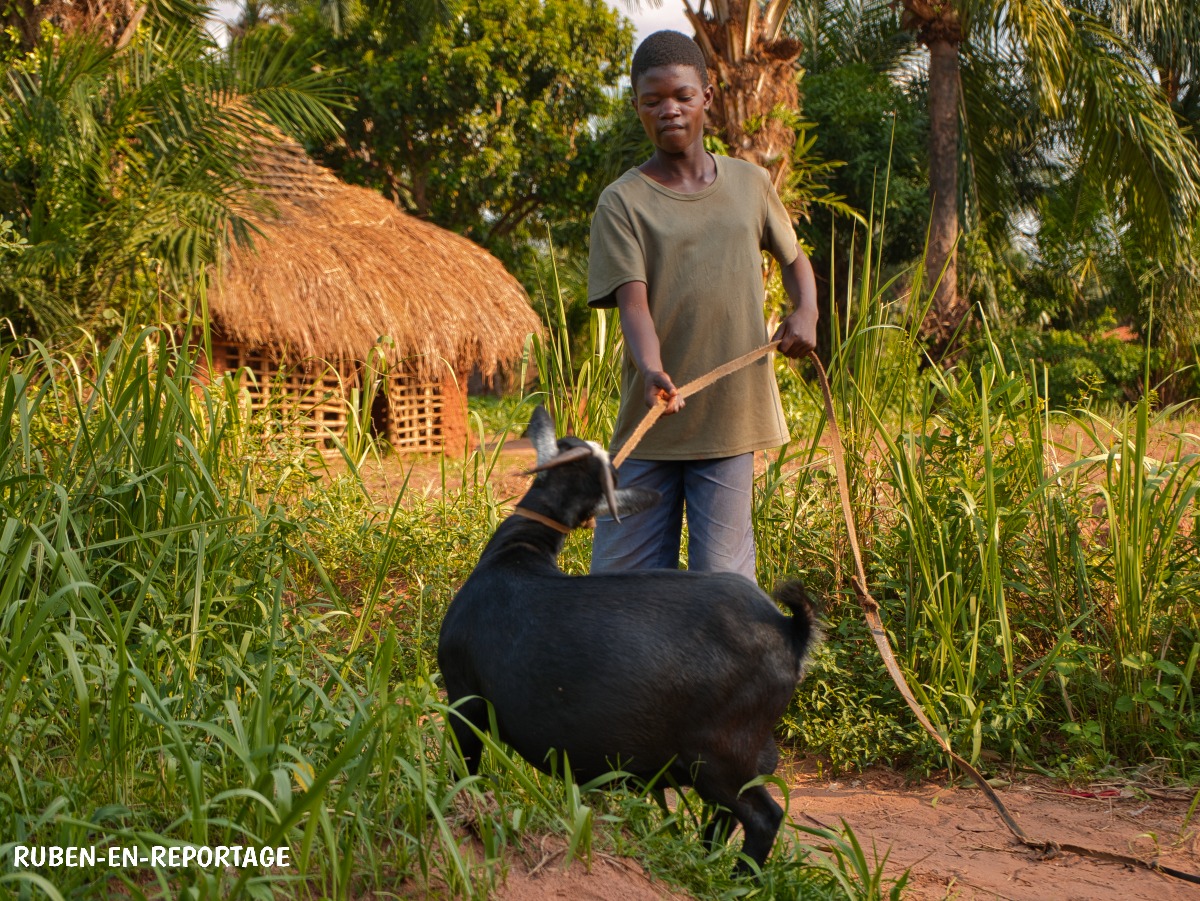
(581, 453)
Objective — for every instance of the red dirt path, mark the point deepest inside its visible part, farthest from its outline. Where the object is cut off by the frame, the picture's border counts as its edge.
(957, 847)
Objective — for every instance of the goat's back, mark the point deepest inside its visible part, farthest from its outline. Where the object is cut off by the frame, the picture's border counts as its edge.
(635, 668)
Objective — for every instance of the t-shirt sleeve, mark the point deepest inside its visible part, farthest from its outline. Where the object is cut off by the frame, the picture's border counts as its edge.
(778, 238)
(614, 257)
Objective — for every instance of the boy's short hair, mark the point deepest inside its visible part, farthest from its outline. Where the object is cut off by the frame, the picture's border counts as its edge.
(667, 48)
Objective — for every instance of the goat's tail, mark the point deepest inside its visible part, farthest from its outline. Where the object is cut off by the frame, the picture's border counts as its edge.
(806, 620)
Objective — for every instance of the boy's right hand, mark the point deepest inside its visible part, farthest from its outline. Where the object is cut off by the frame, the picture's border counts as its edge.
(660, 387)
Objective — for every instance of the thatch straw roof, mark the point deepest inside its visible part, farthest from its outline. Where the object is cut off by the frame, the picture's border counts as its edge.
(337, 267)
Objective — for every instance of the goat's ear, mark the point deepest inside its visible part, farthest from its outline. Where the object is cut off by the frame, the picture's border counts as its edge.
(629, 501)
(541, 434)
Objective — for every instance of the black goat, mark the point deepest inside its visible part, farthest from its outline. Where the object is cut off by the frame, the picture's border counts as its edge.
(659, 671)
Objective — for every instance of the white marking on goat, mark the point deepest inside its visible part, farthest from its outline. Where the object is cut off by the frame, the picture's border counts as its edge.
(599, 451)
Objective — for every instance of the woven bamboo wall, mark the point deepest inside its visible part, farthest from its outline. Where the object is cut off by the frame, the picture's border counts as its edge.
(415, 414)
(424, 414)
(310, 395)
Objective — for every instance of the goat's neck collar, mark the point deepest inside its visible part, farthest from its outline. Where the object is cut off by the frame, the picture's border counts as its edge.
(552, 523)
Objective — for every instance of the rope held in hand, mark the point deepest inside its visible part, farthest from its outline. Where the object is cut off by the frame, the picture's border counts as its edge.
(686, 391)
(870, 609)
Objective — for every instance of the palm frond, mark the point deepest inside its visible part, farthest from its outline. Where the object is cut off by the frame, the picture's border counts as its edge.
(280, 80)
(1010, 145)
(1127, 140)
(842, 32)
(127, 167)
(1169, 29)
(1041, 33)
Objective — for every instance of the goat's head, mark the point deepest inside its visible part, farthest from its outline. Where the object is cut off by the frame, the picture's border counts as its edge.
(586, 485)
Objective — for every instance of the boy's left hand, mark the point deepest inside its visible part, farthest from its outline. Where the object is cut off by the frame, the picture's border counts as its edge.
(797, 334)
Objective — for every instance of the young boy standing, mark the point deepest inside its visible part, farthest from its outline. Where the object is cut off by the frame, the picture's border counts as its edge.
(676, 246)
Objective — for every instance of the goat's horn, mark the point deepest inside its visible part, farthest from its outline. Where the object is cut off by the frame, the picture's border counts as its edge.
(569, 456)
(610, 494)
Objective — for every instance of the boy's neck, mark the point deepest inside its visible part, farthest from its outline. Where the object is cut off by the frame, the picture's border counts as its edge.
(686, 173)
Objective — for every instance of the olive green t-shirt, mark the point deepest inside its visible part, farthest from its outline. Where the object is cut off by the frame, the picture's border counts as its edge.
(700, 256)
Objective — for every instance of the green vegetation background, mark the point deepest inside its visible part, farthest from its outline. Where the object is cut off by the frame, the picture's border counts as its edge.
(205, 637)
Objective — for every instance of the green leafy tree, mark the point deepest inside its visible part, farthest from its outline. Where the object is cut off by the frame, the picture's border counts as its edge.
(480, 115)
(870, 114)
(1166, 37)
(122, 166)
(1090, 258)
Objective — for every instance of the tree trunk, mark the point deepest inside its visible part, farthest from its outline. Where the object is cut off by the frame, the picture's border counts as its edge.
(752, 66)
(948, 309)
(109, 18)
(1171, 80)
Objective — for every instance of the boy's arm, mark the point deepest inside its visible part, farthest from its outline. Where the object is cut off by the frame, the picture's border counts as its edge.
(641, 340)
(797, 334)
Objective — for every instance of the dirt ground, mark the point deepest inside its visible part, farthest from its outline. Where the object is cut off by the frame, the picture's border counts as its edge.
(955, 846)
(608, 879)
(948, 837)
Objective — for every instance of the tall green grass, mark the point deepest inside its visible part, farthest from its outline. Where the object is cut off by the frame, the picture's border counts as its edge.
(1147, 626)
(205, 639)
(1036, 567)
(166, 678)
(580, 395)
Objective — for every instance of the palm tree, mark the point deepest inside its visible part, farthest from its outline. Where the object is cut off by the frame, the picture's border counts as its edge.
(109, 21)
(1166, 33)
(838, 33)
(939, 27)
(1104, 117)
(753, 67)
(124, 166)
(105, 18)
(1166, 38)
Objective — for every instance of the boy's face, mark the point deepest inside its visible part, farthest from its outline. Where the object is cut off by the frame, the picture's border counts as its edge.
(671, 102)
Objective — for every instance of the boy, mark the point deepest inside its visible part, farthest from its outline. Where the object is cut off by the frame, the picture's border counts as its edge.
(676, 246)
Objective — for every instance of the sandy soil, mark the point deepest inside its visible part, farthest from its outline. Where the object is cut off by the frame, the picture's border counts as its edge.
(955, 845)
(608, 879)
(948, 838)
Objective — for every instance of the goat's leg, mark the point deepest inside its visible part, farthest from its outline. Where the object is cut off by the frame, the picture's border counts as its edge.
(720, 785)
(768, 757)
(718, 828)
(464, 715)
(760, 817)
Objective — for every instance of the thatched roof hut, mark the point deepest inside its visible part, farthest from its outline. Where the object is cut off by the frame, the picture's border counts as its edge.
(336, 271)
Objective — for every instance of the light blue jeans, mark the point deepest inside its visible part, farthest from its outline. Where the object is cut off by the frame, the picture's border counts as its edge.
(718, 495)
